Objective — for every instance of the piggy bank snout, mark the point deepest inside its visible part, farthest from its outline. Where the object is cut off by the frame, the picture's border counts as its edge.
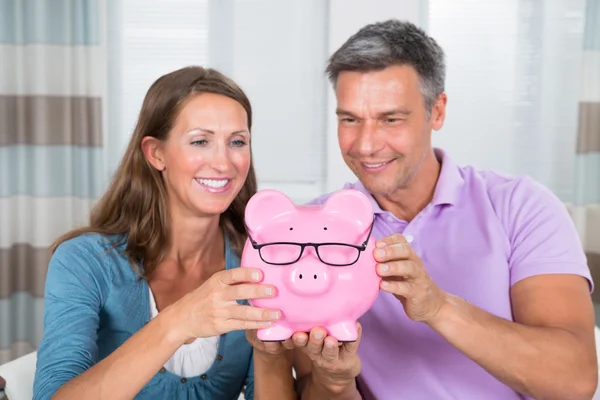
(309, 279)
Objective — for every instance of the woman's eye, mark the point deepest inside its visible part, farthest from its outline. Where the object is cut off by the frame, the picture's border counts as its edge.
(238, 143)
(199, 142)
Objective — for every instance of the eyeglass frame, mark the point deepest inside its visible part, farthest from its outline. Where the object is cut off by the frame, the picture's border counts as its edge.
(361, 248)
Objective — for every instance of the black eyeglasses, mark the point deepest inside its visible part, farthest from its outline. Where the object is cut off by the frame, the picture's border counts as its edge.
(334, 254)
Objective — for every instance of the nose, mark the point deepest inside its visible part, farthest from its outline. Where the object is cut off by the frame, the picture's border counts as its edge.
(367, 142)
(219, 160)
(310, 278)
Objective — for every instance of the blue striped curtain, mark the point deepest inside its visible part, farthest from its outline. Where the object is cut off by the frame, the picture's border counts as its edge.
(52, 80)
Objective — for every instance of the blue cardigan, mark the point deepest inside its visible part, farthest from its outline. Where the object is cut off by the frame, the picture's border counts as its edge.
(94, 302)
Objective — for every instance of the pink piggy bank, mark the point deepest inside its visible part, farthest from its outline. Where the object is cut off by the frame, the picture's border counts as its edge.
(320, 259)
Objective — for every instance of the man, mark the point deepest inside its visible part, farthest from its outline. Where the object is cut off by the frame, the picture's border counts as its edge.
(491, 299)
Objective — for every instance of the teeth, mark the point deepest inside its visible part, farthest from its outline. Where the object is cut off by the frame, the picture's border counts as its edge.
(215, 183)
(375, 165)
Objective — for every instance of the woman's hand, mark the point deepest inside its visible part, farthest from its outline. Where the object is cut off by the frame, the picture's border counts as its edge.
(211, 309)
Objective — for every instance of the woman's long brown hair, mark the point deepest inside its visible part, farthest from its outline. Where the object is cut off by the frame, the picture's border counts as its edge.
(134, 208)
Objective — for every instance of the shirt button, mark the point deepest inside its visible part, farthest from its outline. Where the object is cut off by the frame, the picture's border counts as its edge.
(183, 380)
(204, 377)
(409, 238)
(163, 370)
(219, 357)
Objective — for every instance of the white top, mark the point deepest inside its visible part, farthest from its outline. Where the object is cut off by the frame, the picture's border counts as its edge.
(192, 359)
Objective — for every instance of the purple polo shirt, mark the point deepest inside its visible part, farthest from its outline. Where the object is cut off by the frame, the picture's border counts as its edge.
(481, 233)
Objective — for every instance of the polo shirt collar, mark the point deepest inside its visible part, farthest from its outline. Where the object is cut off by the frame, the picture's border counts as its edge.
(450, 181)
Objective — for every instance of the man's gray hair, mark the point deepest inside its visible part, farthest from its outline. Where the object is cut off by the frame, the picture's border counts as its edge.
(383, 44)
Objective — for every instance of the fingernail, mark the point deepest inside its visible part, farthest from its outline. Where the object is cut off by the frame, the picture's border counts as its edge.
(385, 283)
(274, 315)
(318, 335)
(302, 340)
(255, 276)
(380, 252)
(328, 344)
(380, 244)
(384, 267)
(268, 291)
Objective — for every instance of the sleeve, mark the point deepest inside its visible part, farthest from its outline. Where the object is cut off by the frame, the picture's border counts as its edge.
(249, 391)
(72, 301)
(543, 237)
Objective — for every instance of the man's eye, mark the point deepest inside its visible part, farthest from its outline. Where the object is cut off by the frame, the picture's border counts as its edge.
(348, 120)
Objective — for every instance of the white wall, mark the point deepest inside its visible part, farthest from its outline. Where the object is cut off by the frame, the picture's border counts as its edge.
(512, 81)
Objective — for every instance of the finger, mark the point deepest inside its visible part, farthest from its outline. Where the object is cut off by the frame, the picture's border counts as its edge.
(237, 324)
(253, 340)
(395, 238)
(398, 288)
(239, 275)
(288, 344)
(314, 348)
(331, 349)
(352, 347)
(244, 291)
(300, 339)
(249, 313)
(394, 251)
(272, 347)
(251, 336)
(407, 269)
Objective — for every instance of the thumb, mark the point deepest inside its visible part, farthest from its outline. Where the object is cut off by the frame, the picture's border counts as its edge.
(250, 335)
(352, 347)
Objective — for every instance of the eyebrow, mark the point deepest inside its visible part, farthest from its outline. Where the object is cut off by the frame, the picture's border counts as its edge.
(212, 132)
(384, 114)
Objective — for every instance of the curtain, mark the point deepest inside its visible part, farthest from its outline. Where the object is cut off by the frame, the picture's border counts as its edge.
(586, 204)
(52, 85)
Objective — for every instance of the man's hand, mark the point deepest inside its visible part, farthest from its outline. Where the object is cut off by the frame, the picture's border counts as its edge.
(405, 277)
(335, 365)
(268, 348)
(273, 362)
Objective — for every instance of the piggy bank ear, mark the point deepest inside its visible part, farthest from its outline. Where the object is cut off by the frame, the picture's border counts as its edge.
(352, 203)
(265, 205)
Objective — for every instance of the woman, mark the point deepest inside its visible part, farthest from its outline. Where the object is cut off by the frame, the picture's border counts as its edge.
(147, 301)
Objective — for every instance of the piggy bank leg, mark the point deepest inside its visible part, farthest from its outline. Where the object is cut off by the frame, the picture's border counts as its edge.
(344, 331)
(275, 333)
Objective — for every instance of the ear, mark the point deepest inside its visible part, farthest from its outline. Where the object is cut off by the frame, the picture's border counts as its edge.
(438, 112)
(265, 205)
(153, 151)
(352, 203)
